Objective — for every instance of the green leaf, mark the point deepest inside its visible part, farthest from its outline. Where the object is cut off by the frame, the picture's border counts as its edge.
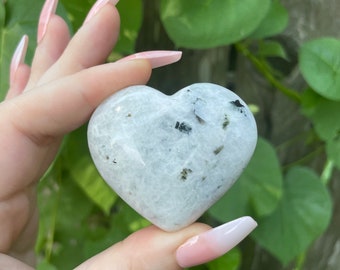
(230, 261)
(333, 150)
(84, 173)
(302, 215)
(209, 23)
(275, 22)
(77, 11)
(45, 265)
(62, 226)
(320, 111)
(16, 20)
(271, 49)
(319, 62)
(258, 190)
(131, 16)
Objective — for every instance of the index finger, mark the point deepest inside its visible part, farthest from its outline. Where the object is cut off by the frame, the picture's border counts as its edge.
(63, 105)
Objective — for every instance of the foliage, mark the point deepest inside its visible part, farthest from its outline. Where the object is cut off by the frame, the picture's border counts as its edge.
(21, 21)
(186, 21)
(302, 215)
(292, 206)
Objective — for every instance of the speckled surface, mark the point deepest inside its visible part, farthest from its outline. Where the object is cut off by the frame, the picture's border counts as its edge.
(172, 157)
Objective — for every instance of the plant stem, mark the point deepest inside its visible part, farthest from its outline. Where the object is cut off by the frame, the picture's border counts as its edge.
(327, 171)
(305, 158)
(266, 72)
(51, 231)
(300, 260)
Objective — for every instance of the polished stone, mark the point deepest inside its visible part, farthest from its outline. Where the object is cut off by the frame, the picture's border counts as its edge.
(172, 157)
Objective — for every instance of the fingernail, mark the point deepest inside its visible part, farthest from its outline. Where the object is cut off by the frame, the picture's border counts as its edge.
(18, 57)
(156, 58)
(48, 9)
(97, 6)
(214, 243)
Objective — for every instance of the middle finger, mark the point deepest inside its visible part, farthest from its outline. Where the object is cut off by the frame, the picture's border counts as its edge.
(89, 47)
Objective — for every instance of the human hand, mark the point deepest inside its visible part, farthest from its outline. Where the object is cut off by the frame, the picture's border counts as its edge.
(66, 82)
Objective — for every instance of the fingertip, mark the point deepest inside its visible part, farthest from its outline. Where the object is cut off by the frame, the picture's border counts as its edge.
(148, 249)
(214, 243)
(156, 58)
(18, 57)
(99, 4)
(49, 8)
(19, 82)
(50, 48)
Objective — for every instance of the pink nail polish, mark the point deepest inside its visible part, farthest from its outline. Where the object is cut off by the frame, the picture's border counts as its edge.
(48, 9)
(97, 6)
(214, 243)
(156, 58)
(18, 57)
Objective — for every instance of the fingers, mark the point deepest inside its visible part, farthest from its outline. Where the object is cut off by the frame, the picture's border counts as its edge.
(7, 262)
(90, 46)
(49, 49)
(150, 248)
(154, 249)
(65, 104)
(19, 83)
(57, 56)
(19, 72)
(215, 242)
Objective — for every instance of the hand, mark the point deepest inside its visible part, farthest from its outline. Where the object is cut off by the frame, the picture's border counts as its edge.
(66, 82)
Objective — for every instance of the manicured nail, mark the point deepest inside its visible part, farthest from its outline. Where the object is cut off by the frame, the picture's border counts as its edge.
(214, 243)
(97, 6)
(18, 57)
(48, 9)
(156, 58)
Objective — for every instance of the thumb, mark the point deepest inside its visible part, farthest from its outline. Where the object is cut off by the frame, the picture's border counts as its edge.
(154, 249)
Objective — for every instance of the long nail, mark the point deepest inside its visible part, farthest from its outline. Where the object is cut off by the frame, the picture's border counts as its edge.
(156, 58)
(48, 9)
(214, 243)
(97, 6)
(18, 57)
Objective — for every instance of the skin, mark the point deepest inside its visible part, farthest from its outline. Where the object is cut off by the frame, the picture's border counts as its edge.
(57, 94)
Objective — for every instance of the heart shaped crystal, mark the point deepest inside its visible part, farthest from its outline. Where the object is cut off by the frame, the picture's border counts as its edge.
(172, 157)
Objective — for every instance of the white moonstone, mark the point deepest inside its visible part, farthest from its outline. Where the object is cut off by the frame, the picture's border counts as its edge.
(172, 157)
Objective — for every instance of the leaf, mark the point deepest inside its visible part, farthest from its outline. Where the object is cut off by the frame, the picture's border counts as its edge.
(131, 15)
(63, 210)
(258, 190)
(333, 149)
(230, 261)
(272, 49)
(275, 22)
(72, 225)
(45, 265)
(202, 24)
(319, 62)
(76, 11)
(321, 111)
(84, 173)
(302, 215)
(16, 19)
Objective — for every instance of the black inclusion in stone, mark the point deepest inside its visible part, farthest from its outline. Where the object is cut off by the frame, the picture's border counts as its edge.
(183, 127)
(184, 173)
(237, 103)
